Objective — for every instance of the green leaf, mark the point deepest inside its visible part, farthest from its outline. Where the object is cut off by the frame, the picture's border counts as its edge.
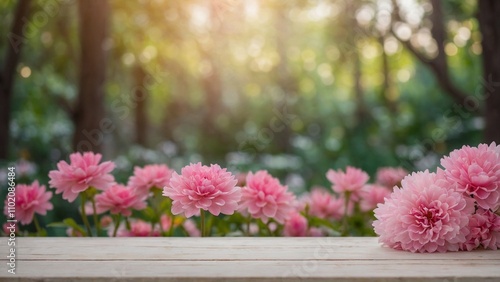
(68, 222)
(56, 224)
(150, 214)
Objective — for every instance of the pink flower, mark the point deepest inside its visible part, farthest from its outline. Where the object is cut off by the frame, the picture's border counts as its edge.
(10, 227)
(119, 199)
(30, 199)
(191, 229)
(264, 197)
(138, 228)
(106, 221)
(373, 195)
(390, 176)
(89, 209)
(166, 222)
(316, 232)
(295, 225)
(241, 178)
(73, 233)
(25, 168)
(83, 172)
(202, 187)
(425, 215)
(253, 229)
(477, 172)
(325, 205)
(352, 180)
(484, 228)
(148, 177)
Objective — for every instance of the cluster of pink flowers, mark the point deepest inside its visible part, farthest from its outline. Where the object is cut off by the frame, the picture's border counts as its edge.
(85, 171)
(257, 196)
(455, 208)
(450, 210)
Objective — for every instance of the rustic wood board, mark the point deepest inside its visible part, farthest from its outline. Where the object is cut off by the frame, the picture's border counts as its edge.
(238, 259)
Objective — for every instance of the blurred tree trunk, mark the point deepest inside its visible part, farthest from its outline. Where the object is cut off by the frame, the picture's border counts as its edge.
(387, 92)
(211, 83)
(16, 40)
(489, 24)
(88, 116)
(178, 106)
(362, 112)
(212, 86)
(286, 80)
(140, 96)
(438, 65)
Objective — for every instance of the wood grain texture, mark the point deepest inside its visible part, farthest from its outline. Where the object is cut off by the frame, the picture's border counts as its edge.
(239, 259)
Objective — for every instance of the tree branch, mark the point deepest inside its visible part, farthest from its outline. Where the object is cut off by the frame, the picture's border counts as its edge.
(438, 65)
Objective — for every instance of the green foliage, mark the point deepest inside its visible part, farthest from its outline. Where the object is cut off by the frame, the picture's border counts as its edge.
(284, 96)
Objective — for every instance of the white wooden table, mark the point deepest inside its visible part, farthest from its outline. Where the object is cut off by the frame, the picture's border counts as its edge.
(238, 259)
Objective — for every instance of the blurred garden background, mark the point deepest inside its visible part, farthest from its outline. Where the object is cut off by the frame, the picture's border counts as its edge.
(295, 87)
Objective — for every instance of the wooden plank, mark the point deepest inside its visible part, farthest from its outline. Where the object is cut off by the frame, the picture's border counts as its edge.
(327, 248)
(239, 259)
(277, 270)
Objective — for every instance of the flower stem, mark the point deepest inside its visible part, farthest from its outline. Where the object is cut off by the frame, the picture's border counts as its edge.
(171, 228)
(127, 223)
(345, 218)
(117, 224)
(267, 228)
(96, 220)
(84, 216)
(202, 227)
(249, 220)
(153, 224)
(37, 225)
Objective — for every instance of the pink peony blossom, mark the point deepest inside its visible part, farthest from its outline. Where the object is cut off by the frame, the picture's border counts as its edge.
(264, 197)
(372, 195)
(425, 215)
(30, 199)
(202, 187)
(295, 225)
(352, 180)
(477, 172)
(484, 228)
(148, 177)
(119, 199)
(325, 205)
(390, 176)
(84, 171)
